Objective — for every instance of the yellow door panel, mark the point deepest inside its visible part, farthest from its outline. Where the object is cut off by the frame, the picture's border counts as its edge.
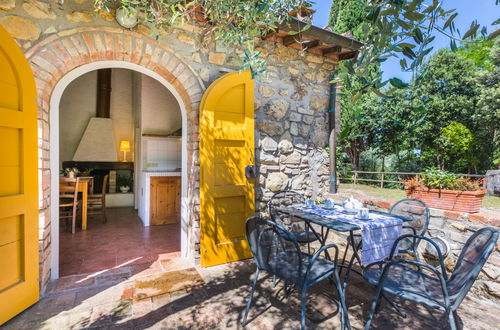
(18, 182)
(226, 148)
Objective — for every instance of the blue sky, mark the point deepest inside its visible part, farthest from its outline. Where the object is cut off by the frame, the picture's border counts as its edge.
(485, 11)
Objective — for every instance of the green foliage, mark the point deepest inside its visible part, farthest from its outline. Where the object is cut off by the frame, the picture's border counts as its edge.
(124, 180)
(439, 179)
(348, 16)
(488, 104)
(447, 93)
(402, 29)
(478, 51)
(449, 118)
(454, 145)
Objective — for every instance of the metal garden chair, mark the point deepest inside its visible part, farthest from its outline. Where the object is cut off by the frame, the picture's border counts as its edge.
(419, 214)
(432, 287)
(277, 251)
(297, 227)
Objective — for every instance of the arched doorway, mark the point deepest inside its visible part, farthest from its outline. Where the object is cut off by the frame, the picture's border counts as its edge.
(55, 152)
(85, 49)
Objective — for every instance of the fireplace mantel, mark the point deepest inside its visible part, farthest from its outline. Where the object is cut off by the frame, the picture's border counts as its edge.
(99, 165)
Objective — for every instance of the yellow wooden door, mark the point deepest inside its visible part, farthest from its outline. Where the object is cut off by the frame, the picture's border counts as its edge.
(18, 181)
(226, 148)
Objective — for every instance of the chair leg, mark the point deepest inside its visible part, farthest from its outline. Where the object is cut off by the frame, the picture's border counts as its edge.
(303, 305)
(393, 305)
(73, 220)
(344, 316)
(274, 281)
(343, 258)
(249, 303)
(451, 319)
(373, 306)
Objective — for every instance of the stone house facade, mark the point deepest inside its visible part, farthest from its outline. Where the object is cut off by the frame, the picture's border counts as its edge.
(291, 101)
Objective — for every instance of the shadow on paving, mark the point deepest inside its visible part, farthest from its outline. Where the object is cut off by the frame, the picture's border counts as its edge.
(220, 303)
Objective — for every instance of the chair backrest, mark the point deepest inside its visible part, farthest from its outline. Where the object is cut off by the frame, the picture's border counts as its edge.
(419, 214)
(270, 242)
(474, 255)
(104, 186)
(68, 188)
(282, 199)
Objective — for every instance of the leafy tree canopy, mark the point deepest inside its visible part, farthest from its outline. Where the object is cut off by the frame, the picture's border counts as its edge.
(348, 16)
(448, 118)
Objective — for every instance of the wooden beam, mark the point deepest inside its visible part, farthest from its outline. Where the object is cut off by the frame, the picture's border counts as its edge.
(331, 50)
(288, 40)
(347, 56)
(308, 44)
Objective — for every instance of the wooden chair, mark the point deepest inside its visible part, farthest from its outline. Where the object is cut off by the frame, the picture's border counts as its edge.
(68, 200)
(96, 203)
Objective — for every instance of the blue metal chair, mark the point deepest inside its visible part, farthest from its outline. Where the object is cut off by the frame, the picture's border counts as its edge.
(283, 258)
(411, 208)
(420, 215)
(297, 227)
(407, 279)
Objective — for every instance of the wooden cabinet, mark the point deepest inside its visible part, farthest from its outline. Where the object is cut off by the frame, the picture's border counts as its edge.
(165, 200)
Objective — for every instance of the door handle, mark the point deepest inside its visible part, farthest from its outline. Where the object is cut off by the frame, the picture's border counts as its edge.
(250, 172)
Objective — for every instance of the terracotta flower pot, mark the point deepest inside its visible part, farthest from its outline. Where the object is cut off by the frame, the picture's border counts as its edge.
(453, 200)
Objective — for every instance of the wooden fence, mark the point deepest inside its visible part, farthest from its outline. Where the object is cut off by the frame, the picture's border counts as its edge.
(401, 175)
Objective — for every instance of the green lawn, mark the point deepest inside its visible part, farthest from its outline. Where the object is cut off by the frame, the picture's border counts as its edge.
(489, 202)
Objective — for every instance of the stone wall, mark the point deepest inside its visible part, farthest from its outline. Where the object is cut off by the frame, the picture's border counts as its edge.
(456, 228)
(290, 100)
(292, 124)
(493, 182)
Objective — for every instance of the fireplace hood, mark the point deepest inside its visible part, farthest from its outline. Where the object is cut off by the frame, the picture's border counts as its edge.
(98, 142)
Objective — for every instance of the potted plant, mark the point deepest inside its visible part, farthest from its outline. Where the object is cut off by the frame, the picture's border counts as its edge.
(71, 172)
(444, 190)
(124, 182)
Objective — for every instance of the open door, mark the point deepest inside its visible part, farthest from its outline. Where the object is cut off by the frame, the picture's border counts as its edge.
(226, 150)
(18, 182)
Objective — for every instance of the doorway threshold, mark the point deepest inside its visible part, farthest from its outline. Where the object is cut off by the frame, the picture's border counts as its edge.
(121, 279)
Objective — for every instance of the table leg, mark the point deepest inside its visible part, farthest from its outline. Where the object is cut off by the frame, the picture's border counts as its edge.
(321, 237)
(84, 208)
(351, 262)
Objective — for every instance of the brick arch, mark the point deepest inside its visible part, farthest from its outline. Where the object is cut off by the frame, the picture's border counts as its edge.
(59, 54)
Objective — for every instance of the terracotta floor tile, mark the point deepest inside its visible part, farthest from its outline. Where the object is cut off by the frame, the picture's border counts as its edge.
(123, 240)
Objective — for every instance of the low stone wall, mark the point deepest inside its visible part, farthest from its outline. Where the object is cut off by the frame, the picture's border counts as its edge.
(493, 182)
(455, 228)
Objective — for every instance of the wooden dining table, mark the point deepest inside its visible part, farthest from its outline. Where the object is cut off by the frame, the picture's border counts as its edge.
(83, 187)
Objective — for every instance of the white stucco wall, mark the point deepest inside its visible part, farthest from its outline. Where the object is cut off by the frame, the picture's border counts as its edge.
(160, 111)
(76, 108)
(122, 109)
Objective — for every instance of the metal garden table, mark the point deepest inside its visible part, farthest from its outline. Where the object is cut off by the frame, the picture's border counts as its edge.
(327, 223)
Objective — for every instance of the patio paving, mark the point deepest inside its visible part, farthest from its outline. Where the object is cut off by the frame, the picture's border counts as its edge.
(106, 302)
